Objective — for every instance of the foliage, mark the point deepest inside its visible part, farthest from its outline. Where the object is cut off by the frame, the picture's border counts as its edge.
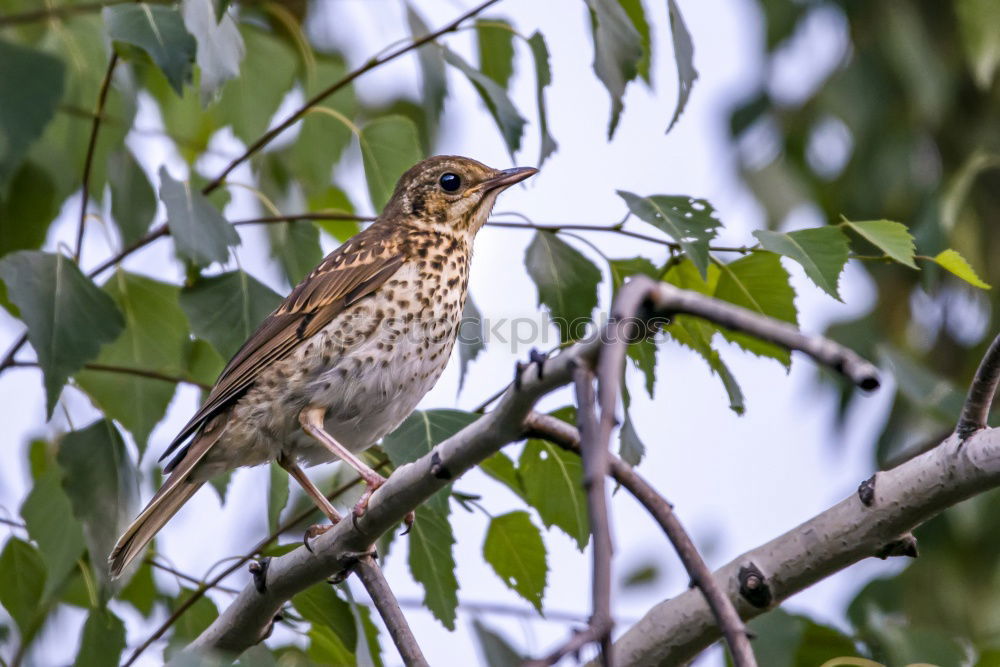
(124, 340)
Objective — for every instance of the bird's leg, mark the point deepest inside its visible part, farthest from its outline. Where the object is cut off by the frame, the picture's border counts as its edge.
(312, 423)
(322, 502)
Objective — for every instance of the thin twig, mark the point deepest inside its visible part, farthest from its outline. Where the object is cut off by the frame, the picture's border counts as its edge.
(388, 608)
(329, 90)
(187, 577)
(199, 592)
(124, 370)
(88, 160)
(564, 435)
(976, 410)
(611, 229)
(296, 217)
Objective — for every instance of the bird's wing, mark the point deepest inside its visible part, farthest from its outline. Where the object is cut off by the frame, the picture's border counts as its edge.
(345, 276)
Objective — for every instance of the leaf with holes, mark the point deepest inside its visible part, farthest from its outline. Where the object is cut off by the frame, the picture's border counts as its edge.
(618, 52)
(553, 484)
(201, 235)
(690, 222)
(821, 251)
(566, 280)
(515, 551)
(543, 78)
(227, 308)
(892, 238)
(160, 32)
(432, 563)
(760, 284)
(69, 318)
(954, 262)
(389, 147)
(497, 102)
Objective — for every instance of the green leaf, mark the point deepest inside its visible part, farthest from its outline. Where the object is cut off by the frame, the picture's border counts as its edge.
(892, 238)
(31, 85)
(553, 483)
(789, 640)
(192, 622)
(296, 247)
(277, 495)
(690, 222)
(140, 592)
(201, 235)
(418, 435)
(389, 147)
(758, 283)
(566, 281)
(471, 337)
(100, 481)
(28, 208)
(133, 200)
(979, 27)
(953, 261)
(49, 517)
(432, 563)
(371, 634)
(227, 308)
(684, 57)
(497, 102)
(22, 580)
(618, 52)
(543, 77)
(434, 81)
(630, 447)
(495, 649)
(220, 45)
(626, 268)
(160, 32)
(637, 15)
(822, 252)
(68, 317)
(321, 606)
(202, 363)
(515, 551)
(155, 338)
(501, 468)
(102, 641)
(334, 200)
(326, 648)
(248, 102)
(495, 39)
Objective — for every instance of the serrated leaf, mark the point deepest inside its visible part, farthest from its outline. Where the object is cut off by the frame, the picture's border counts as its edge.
(617, 52)
(321, 606)
(684, 57)
(822, 252)
(160, 32)
(498, 103)
(133, 200)
(277, 495)
(434, 81)
(22, 580)
(432, 563)
(219, 45)
(155, 338)
(495, 42)
(471, 337)
(566, 280)
(514, 549)
(953, 261)
(553, 483)
(27, 209)
(495, 649)
(31, 86)
(501, 468)
(49, 517)
(760, 284)
(99, 479)
(227, 308)
(892, 238)
(296, 247)
(630, 447)
(389, 146)
(543, 78)
(201, 235)
(102, 640)
(68, 317)
(690, 222)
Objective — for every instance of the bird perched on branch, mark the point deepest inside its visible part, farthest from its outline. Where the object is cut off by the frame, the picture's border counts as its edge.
(348, 354)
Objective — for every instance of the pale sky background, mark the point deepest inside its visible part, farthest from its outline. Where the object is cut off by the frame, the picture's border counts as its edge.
(736, 482)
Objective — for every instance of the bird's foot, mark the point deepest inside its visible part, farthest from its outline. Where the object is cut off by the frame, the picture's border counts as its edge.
(535, 358)
(314, 531)
(408, 520)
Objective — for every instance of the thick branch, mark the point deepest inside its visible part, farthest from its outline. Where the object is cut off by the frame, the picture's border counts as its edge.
(388, 608)
(976, 410)
(243, 623)
(899, 500)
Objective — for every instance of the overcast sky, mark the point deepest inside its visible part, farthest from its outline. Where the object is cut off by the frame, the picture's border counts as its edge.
(735, 481)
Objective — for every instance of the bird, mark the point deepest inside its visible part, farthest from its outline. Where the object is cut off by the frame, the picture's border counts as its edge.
(347, 355)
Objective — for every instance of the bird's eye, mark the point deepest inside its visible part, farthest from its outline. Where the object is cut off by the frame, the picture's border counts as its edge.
(450, 182)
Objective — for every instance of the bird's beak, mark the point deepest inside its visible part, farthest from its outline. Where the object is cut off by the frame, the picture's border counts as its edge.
(507, 178)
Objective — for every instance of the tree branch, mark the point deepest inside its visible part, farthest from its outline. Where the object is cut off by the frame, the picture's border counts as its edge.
(124, 370)
(564, 435)
(244, 622)
(268, 136)
(976, 410)
(88, 160)
(388, 608)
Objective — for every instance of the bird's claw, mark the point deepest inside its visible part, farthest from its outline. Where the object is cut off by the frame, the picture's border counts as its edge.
(535, 358)
(312, 532)
(408, 520)
(372, 483)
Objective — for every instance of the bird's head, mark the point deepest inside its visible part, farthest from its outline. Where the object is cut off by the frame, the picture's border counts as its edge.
(447, 193)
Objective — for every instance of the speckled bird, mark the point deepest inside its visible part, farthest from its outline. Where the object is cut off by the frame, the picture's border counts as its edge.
(348, 354)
